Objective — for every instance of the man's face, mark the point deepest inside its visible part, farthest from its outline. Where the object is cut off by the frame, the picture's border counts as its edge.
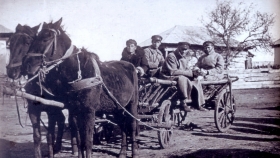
(131, 48)
(185, 51)
(208, 48)
(156, 44)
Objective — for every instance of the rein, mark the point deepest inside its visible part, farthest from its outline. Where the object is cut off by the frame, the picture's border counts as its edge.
(69, 53)
(14, 65)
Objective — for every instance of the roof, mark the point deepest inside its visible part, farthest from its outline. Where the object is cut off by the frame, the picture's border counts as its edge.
(276, 42)
(3, 29)
(193, 34)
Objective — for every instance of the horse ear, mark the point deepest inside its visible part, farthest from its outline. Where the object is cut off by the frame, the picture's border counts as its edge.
(45, 25)
(36, 28)
(58, 23)
(19, 27)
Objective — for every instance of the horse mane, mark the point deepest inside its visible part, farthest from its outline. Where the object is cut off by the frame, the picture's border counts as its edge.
(96, 57)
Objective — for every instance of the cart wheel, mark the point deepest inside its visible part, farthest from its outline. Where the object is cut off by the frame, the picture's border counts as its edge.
(164, 134)
(224, 112)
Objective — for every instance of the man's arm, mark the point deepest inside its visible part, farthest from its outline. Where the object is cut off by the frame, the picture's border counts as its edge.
(151, 64)
(171, 65)
(219, 67)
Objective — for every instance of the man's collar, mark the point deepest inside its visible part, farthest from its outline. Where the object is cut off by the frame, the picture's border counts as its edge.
(178, 54)
(211, 52)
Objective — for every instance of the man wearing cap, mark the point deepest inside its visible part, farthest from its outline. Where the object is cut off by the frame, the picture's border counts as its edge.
(177, 67)
(153, 55)
(211, 64)
(134, 54)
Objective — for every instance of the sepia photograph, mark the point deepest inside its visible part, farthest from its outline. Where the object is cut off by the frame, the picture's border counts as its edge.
(140, 78)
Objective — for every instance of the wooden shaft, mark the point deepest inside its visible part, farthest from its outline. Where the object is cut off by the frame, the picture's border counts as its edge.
(9, 91)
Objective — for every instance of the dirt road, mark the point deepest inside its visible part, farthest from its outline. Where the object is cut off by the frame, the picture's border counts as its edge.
(255, 133)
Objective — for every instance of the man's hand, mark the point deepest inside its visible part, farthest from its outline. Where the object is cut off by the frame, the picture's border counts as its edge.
(203, 72)
(196, 72)
(140, 71)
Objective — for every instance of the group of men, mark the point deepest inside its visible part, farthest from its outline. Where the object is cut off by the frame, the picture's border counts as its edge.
(179, 65)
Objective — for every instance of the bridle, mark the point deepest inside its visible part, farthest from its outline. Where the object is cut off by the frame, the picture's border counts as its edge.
(53, 44)
(17, 64)
(46, 66)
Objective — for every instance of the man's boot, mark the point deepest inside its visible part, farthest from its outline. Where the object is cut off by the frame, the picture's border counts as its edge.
(200, 108)
(185, 106)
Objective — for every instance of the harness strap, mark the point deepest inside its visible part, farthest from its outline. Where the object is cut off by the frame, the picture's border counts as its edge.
(18, 110)
(55, 63)
(86, 83)
(14, 65)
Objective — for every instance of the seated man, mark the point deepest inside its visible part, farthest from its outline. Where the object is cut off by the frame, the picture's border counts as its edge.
(153, 56)
(177, 66)
(211, 64)
(134, 54)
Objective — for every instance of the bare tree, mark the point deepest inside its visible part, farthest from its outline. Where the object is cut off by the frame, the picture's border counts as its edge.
(228, 21)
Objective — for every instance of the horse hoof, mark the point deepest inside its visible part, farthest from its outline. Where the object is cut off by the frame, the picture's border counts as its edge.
(122, 156)
(75, 153)
(56, 149)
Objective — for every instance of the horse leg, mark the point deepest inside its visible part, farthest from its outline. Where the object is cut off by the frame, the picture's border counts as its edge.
(90, 120)
(135, 130)
(74, 132)
(34, 115)
(134, 145)
(122, 124)
(86, 130)
(74, 124)
(50, 134)
(60, 125)
(123, 145)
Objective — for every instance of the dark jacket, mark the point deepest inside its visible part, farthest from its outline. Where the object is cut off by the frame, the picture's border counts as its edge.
(136, 59)
(175, 64)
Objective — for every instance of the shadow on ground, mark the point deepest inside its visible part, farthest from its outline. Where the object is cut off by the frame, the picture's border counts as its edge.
(227, 153)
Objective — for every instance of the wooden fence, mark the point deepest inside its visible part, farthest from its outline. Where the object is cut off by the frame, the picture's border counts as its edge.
(256, 78)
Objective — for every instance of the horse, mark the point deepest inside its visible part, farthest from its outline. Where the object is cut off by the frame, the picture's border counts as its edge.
(20, 42)
(90, 87)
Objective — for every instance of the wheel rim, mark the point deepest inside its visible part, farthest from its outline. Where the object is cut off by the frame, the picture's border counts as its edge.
(164, 134)
(224, 112)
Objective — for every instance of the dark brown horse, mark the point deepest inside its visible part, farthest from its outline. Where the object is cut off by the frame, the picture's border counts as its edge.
(90, 87)
(20, 42)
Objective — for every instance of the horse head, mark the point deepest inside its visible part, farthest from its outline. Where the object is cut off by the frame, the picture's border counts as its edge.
(20, 42)
(50, 44)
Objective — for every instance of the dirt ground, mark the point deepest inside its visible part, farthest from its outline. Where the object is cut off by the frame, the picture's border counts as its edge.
(255, 133)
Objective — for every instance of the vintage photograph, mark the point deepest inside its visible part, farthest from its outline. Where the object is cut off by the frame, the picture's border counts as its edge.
(140, 78)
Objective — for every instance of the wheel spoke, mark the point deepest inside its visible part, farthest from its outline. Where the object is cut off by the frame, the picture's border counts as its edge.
(225, 121)
(222, 103)
(222, 120)
(220, 117)
(166, 137)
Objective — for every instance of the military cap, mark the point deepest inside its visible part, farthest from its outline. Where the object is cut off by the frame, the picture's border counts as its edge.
(185, 45)
(131, 41)
(156, 38)
(208, 42)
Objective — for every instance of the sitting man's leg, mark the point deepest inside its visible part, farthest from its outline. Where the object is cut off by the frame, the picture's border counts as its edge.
(198, 96)
(185, 87)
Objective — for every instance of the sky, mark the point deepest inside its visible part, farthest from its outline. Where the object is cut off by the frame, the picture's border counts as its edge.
(103, 26)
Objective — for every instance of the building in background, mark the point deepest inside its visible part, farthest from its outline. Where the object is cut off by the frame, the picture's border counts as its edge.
(5, 34)
(276, 47)
(196, 36)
